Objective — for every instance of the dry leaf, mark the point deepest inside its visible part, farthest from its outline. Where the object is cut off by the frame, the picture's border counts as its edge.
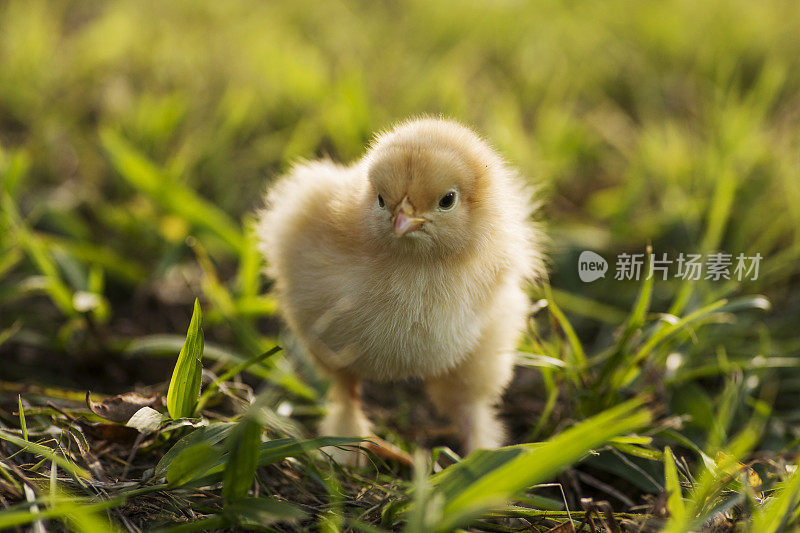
(122, 407)
(109, 432)
(752, 477)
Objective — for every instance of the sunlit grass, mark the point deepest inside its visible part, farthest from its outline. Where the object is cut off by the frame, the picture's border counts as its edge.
(136, 141)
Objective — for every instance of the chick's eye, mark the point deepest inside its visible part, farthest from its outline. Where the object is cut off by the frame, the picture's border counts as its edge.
(381, 203)
(448, 200)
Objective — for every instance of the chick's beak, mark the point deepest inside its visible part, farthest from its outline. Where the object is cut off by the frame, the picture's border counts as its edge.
(404, 220)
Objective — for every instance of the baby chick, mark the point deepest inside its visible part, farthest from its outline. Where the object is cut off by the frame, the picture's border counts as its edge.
(409, 263)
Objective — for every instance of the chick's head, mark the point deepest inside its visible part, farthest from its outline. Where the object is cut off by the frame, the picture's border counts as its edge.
(430, 187)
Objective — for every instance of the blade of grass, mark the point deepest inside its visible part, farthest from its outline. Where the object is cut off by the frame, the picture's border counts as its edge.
(184, 387)
(528, 465)
(209, 435)
(675, 505)
(191, 463)
(578, 358)
(47, 453)
(243, 452)
(427, 506)
(23, 426)
(248, 279)
(634, 323)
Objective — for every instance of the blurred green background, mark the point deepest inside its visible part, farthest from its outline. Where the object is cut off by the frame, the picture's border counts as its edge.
(137, 138)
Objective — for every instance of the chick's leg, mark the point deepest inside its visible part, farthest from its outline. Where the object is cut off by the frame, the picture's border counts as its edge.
(468, 394)
(345, 416)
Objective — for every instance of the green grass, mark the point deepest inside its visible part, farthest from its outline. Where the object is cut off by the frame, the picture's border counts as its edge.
(136, 140)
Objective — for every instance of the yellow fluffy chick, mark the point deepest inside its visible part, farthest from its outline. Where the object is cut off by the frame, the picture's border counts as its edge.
(409, 263)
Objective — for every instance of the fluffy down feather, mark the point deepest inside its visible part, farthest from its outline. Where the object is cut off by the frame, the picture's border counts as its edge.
(411, 262)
